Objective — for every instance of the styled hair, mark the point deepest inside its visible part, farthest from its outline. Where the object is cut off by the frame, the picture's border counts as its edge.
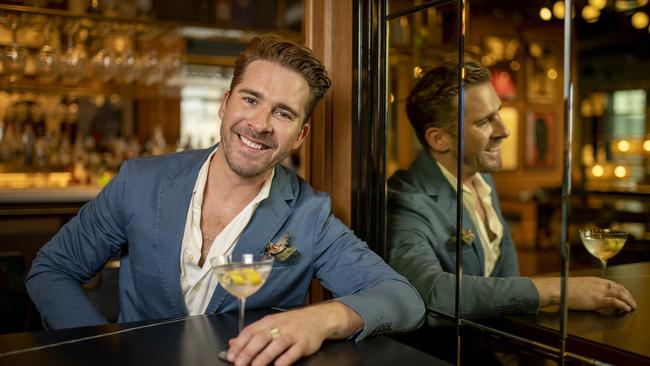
(294, 57)
(433, 98)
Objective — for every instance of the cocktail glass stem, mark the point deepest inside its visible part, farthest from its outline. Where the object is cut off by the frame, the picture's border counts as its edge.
(603, 264)
(242, 306)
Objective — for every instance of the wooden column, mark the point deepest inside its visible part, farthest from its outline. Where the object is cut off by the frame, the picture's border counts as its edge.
(328, 32)
(327, 152)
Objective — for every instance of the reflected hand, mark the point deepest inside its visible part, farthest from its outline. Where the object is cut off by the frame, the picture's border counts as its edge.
(585, 293)
(592, 293)
(284, 338)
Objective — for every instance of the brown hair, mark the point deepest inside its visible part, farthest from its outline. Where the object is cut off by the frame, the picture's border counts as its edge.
(432, 101)
(294, 57)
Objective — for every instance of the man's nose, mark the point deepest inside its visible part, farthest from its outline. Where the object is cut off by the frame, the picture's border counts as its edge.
(500, 130)
(260, 120)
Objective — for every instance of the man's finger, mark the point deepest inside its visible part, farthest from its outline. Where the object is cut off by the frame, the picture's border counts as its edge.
(240, 342)
(292, 355)
(253, 347)
(613, 302)
(273, 350)
(625, 295)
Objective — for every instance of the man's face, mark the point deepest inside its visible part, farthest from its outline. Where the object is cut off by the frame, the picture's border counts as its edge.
(261, 118)
(484, 130)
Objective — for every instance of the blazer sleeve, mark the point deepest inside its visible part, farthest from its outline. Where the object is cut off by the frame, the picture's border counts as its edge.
(360, 279)
(412, 239)
(73, 256)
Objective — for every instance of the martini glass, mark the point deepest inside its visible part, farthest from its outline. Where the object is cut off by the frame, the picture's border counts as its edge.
(242, 275)
(603, 244)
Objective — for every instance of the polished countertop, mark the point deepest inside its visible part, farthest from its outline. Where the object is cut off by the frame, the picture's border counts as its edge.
(607, 336)
(193, 340)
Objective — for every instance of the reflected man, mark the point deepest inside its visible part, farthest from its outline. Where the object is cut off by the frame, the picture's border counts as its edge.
(422, 210)
(169, 216)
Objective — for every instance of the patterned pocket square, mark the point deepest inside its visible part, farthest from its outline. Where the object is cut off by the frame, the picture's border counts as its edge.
(281, 250)
(467, 237)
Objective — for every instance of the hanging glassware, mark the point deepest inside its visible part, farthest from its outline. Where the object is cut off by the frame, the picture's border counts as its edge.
(14, 57)
(48, 58)
(73, 60)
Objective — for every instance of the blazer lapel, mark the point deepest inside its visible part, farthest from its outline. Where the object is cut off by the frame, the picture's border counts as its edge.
(268, 219)
(432, 180)
(468, 224)
(173, 204)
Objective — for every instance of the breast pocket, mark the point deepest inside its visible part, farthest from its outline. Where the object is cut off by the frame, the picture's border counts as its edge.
(292, 261)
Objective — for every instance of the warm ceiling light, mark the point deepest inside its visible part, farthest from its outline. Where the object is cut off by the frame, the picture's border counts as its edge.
(552, 74)
(598, 4)
(535, 50)
(558, 9)
(514, 65)
(623, 5)
(646, 145)
(597, 170)
(623, 146)
(620, 171)
(545, 13)
(590, 13)
(640, 20)
(417, 72)
(642, 2)
(487, 60)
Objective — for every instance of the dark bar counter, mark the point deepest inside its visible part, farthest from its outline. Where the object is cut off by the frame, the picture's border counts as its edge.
(618, 339)
(194, 340)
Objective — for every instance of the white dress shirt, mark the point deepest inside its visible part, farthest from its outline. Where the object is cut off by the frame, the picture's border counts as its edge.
(198, 283)
(491, 248)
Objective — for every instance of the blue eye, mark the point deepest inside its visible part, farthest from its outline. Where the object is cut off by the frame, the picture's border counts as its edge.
(284, 115)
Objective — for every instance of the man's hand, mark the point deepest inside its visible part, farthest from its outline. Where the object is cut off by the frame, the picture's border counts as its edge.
(585, 293)
(286, 337)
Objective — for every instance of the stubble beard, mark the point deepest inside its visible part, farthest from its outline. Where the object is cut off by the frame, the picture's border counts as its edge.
(483, 164)
(243, 168)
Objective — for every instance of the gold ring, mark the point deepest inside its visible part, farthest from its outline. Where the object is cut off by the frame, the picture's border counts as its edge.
(275, 332)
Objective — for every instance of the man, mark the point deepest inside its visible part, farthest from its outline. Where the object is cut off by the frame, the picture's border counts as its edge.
(171, 215)
(422, 210)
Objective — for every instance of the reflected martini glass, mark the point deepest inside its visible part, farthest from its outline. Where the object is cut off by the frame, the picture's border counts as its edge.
(603, 244)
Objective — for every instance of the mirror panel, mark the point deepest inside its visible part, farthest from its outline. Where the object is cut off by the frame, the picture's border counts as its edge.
(415, 41)
(612, 171)
(522, 45)
(524, 57)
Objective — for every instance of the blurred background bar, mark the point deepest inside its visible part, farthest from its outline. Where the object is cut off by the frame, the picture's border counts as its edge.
(86, 84)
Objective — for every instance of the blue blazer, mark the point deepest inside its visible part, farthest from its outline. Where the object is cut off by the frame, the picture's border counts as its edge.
(422, 247)
(142, 212)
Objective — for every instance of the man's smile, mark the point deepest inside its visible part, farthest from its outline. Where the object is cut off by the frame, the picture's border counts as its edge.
(252, 144)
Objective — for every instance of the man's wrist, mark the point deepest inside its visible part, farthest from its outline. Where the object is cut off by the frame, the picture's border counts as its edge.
(548, 289)
(338, 320)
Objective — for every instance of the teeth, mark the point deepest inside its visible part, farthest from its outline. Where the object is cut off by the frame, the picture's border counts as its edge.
(250, 143)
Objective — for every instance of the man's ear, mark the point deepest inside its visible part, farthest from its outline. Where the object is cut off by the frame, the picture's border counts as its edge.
(438, 139)
(222, 107)
(304, 132)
